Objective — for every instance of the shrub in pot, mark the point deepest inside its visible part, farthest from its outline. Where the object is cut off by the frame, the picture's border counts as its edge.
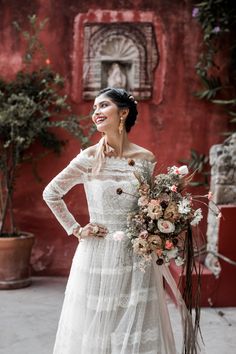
(30, 106)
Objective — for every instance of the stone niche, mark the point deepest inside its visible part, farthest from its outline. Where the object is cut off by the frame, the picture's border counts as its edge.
(119, 55)
(117, 49)
(223, 187)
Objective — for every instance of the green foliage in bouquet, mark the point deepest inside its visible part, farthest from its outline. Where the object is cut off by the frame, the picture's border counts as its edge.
(32, 105)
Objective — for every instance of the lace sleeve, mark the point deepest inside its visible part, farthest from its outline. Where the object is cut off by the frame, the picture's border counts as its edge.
(73, 174)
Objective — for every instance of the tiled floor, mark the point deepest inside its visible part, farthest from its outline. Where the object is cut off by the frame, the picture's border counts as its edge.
(28, 320)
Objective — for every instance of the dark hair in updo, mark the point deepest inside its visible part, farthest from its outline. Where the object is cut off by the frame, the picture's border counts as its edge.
(123, 100)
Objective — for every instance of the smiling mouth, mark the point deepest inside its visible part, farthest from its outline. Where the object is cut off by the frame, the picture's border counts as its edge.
(99, 120)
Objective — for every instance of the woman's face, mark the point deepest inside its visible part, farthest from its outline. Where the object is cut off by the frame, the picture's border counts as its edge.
(106, 114)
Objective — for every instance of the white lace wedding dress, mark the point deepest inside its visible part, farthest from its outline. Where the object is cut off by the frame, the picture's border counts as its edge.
(110, 306)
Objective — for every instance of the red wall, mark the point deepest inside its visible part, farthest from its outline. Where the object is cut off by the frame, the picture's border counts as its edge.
(172, 127)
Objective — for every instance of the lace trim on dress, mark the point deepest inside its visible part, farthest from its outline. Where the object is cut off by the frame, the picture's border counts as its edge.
(149, 335)
(110, 303)
(98, 345)
(108, 271)
(105, 152)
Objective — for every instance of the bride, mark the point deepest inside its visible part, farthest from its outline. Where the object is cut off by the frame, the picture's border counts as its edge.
(110, 306)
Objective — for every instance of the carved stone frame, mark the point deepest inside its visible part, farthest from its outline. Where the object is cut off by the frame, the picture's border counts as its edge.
(129, 45)
(97, 31)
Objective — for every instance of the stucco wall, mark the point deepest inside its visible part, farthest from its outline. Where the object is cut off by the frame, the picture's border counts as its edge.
(172, 126)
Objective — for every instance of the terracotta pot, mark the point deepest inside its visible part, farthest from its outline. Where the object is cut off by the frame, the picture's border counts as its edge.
(15, 261)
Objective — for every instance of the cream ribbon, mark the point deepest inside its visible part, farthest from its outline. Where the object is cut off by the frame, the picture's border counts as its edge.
(163, 272)
(103, 150)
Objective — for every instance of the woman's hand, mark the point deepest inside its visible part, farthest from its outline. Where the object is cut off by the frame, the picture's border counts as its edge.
(92, 230)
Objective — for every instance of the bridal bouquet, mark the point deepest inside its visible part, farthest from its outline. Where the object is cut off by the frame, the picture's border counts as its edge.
(164, 212)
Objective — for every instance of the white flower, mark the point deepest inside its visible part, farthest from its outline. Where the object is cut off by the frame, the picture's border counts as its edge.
(183, 170)
(165, 226)
(197, 217)
(172, 253)
(184, 206)
(167, 261)
(179, 261)
(118, 235)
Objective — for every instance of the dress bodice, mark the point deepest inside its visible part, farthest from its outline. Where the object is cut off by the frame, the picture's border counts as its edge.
(105, 205)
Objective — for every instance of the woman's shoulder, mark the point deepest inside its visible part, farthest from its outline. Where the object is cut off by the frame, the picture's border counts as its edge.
(83, 158)
(141, 153)
(89, 151)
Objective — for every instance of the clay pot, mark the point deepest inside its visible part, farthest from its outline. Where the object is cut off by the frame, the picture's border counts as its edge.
(15, 261)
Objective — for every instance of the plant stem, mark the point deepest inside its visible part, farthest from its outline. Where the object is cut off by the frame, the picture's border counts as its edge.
(9, 178)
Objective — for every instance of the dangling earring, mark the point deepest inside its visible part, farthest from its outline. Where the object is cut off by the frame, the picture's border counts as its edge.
(121, 129)
(121, 125)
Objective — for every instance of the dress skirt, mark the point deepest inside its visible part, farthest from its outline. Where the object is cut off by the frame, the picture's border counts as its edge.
(111, 306)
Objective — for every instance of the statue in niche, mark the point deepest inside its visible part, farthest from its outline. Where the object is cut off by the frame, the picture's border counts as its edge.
(116, 77)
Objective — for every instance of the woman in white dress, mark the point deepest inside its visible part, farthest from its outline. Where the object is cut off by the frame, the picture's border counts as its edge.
(110, 306)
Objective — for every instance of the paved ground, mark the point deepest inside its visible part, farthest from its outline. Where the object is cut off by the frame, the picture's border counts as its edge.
(28, 320)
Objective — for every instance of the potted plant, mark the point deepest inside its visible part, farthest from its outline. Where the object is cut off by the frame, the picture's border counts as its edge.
(30, 106)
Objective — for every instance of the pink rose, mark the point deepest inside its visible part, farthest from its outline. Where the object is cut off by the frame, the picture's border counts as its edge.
(165, 226)
(143, 234)
(173, 188)
(168, 245)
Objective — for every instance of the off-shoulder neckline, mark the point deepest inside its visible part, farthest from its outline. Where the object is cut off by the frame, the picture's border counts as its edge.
(126, 159)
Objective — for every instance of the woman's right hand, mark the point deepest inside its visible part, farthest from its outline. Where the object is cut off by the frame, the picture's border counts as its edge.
(93, 230)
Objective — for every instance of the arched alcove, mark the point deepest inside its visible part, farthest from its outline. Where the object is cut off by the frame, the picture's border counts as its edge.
(118, 42)
(132, 47)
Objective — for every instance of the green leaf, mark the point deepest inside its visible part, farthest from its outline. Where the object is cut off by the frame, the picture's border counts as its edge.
(32, 19)
(16, 25)
(225, 102)
(42, 24)
(232, 113)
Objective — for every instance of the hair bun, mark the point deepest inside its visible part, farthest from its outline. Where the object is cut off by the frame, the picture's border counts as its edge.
(123, 99)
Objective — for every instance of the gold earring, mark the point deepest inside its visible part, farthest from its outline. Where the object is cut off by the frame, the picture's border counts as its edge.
(121, 125)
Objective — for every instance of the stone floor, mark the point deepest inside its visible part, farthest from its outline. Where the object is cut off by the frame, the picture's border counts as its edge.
(28, 320)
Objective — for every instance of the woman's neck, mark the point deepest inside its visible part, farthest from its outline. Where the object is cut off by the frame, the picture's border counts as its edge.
(114, 141)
